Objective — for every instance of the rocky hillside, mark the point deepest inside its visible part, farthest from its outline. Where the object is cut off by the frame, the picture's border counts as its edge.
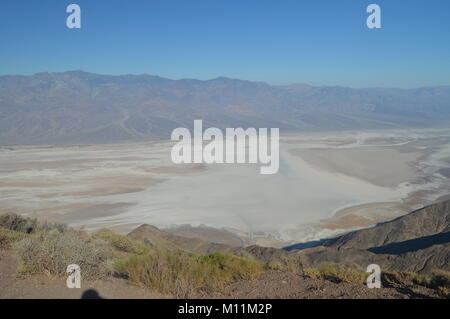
(419, 242)
(429, 222)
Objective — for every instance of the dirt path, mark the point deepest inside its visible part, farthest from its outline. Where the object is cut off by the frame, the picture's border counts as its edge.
(43, 287)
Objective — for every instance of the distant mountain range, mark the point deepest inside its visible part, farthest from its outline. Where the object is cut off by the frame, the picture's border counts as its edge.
(81, 108)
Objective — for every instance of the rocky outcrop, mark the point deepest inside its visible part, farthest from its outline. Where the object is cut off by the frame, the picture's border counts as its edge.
(419, 242)
(153, 236)
(425, 222)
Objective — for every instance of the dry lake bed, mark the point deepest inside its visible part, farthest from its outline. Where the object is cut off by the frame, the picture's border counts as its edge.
(328, 183)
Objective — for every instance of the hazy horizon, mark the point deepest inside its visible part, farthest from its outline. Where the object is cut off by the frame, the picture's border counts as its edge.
(320, 43)
(224, 77)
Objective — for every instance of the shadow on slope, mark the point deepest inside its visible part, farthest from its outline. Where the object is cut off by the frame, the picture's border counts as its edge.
(412, 244)
(309, 244)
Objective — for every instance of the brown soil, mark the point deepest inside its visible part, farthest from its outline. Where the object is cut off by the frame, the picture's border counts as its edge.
(277, 284)
(44, 287)
(273, 284)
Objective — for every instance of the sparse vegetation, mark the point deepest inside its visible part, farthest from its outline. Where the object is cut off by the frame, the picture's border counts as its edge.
(18, 223)
(437, 279)
(398, 279)
(337, 273)
(27, 225)
(49, 248)
(227, 267)
(52, 251)
(8, 237)
(183, 273)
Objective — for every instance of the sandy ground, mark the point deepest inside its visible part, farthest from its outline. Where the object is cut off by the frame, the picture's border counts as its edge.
(327, 184)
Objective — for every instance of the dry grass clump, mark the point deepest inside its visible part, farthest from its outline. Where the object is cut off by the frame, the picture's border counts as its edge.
(337, 273)
(228, 267)
(182, 273)
(399, 279)
(437, 279)
(8, 237)
(18, 223)
(50, 252)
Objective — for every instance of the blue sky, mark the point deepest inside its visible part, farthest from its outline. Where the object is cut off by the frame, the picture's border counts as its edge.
(277, 41)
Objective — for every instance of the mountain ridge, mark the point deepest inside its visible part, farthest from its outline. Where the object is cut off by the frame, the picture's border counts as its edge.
(418, 242)
(143, 75)
(78, 107)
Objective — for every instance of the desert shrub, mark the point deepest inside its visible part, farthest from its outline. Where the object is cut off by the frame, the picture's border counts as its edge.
(182, 273)
(8, 237)
(313, 273)
(27, 224)
(337, 273)
(119, 242)
(52, 251)
(440, 280)
(396, 279)
(226, 267)
(275, 265)
(437, 279)
(155, 269)
(18, 223)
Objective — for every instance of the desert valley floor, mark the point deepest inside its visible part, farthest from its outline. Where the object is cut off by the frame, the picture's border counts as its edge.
(327, 184)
